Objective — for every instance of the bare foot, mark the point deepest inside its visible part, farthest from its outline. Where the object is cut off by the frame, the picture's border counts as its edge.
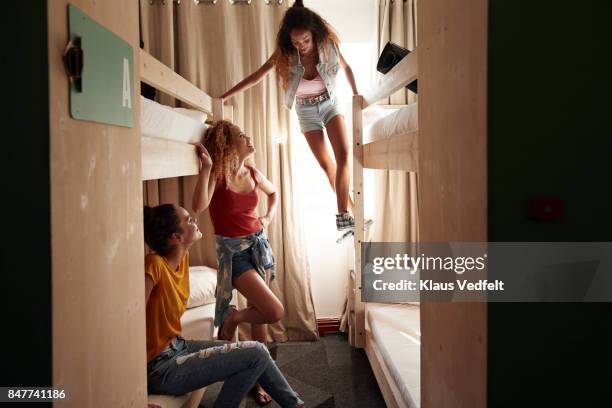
(261, 396)
(227, 330)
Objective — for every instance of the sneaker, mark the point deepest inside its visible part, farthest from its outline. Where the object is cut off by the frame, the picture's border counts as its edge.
(345, 221)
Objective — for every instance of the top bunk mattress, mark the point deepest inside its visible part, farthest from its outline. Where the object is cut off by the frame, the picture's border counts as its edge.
(397, 332)
(178, 124)
(390, 122)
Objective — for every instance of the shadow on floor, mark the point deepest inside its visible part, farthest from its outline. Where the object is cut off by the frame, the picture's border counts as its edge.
(326, 373)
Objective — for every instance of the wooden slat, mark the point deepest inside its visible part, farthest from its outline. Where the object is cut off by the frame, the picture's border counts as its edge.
(391, 106)
(452, 190)
(350, 302)
(399, 152)
(401, 75)
(217, 109)
(222, 111)
(359, 307)
(228, 112)
(351, 334)
(165, 158)
(155, 73)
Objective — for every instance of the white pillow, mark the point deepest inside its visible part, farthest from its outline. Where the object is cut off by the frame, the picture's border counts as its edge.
(202, 285)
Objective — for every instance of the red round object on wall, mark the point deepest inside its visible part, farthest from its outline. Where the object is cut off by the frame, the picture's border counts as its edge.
(545, 208)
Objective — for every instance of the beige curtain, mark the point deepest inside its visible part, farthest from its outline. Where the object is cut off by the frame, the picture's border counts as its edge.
(395, 209)
(215, 46)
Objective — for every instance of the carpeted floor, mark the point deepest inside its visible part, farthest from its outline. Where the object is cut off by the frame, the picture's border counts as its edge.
(327, 373)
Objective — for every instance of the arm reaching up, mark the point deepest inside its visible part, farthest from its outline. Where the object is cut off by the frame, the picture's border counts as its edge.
(252, 79)
(349, 73)
(205, 186)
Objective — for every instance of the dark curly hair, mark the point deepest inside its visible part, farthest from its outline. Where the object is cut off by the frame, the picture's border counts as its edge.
(298, 17)
(159, 224)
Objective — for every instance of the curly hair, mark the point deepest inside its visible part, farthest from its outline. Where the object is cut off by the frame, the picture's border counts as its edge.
(300, 18)
(159, 224)
(218, 141)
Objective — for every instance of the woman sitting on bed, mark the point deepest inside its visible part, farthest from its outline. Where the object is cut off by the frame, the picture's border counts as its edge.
(177, 366)
(229, 188)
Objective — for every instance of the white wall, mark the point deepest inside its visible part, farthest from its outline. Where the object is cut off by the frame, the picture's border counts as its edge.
(330, 262)
(353, 19)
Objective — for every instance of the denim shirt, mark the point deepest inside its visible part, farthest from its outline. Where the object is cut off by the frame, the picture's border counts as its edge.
(328, 66)
(226, 248)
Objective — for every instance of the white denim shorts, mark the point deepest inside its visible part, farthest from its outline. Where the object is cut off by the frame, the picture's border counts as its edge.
(316, 116)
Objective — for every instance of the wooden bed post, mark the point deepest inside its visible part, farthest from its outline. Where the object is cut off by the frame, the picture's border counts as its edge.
(228, 112)
(357, 316)
(221, 110)
(452, 176)
(217, 109)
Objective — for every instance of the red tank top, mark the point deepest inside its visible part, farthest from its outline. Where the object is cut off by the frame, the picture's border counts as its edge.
(233, 214)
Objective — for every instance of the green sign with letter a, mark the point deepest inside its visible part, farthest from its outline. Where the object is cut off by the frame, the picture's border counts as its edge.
(100, 66)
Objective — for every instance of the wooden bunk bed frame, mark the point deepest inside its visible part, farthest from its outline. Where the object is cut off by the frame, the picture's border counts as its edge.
(166, 158)
(452, 39)
(399, 152)
(449, 153)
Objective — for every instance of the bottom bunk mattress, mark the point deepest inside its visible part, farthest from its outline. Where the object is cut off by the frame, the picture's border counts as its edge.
(198, 323)
(389, 122)
(396, 330)
(198, 320)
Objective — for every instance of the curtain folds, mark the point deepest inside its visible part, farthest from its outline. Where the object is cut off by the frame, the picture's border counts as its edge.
(215, 46)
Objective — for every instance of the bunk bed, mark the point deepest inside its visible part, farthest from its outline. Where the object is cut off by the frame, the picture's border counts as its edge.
(175, 157)
(167, 136)
(390, 333)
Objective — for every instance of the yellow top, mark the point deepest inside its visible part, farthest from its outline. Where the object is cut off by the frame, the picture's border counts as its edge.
(166, 303)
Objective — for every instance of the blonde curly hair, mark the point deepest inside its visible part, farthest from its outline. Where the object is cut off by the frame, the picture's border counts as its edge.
(220, 145)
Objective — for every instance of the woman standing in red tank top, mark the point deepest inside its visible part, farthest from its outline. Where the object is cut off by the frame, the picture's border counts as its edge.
(229, 187)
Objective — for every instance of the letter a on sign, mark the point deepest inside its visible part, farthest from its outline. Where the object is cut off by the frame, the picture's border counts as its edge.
(127, 94)
(109, 75)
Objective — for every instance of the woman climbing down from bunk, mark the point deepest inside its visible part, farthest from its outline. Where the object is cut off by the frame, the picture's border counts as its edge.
(229, 188)
(307, 60)
(177, 366)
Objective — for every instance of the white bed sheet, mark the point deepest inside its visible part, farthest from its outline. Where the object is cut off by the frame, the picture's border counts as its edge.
(389, 122)
(397, 332)
(178, 124)
(198, 323)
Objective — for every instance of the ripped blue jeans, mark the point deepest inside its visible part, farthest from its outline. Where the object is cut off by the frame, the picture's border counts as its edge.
(187, 365)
